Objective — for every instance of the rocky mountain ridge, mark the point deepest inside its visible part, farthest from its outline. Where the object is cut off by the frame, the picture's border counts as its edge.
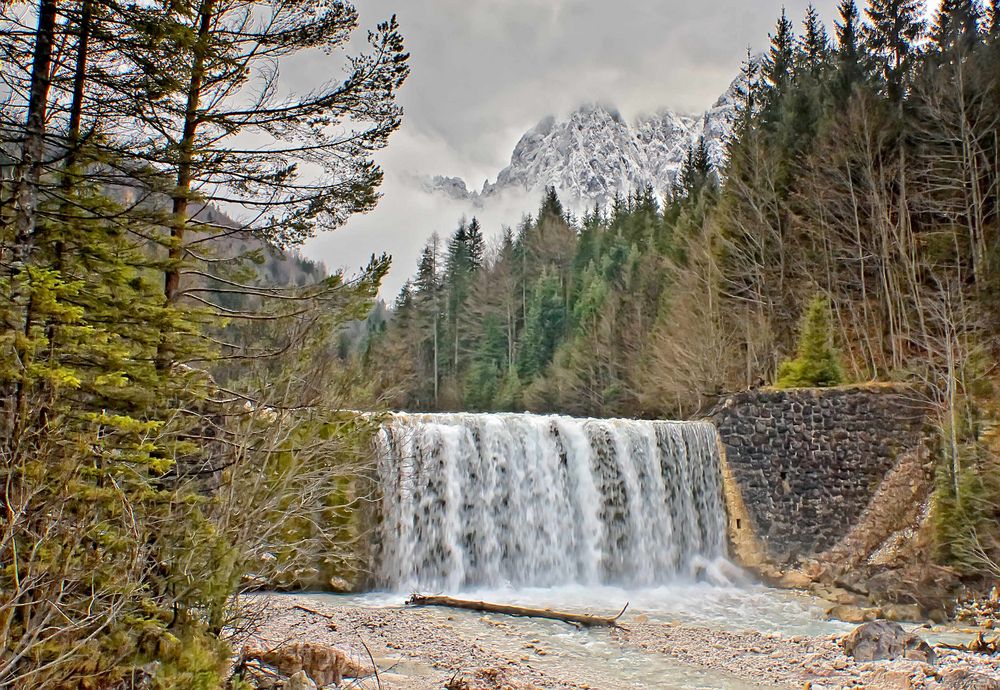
(594, 154)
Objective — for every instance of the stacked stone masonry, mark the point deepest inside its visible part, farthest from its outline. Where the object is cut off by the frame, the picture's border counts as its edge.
(807, 462)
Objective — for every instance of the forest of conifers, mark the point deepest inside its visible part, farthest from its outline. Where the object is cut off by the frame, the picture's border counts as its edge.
(863, 168)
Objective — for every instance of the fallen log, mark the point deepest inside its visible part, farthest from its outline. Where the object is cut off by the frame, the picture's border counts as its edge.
(583, 619)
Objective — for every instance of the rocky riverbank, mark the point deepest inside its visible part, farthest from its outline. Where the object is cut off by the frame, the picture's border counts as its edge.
(420, 649)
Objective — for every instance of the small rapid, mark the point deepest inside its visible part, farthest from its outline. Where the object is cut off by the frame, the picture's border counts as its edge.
(518, 500)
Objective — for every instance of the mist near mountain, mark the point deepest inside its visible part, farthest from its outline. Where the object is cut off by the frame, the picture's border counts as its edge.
(595, 154)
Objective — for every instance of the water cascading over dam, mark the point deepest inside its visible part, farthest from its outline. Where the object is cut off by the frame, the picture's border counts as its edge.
(487, 500)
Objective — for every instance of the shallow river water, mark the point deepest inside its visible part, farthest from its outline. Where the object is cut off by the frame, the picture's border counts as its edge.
(593, 655)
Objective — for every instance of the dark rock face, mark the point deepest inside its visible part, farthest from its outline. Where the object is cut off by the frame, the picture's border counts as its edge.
(808, 461)
(886, 640)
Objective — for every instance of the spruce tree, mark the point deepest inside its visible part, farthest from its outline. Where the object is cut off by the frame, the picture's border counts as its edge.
(850, 55)
(956, 28)
(463, 261)
(475, 244)
(895, 26)
(696, 172)
(429, 307)
(544, 326)
(747, 96)
(488, 365)
(814, 46)
(816, 363)
(551, 205)
(777, 69)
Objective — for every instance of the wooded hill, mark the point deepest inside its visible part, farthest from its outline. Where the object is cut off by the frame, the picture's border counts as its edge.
(863, 169)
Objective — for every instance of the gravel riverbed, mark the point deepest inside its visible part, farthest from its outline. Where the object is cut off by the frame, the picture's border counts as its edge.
(424, 648)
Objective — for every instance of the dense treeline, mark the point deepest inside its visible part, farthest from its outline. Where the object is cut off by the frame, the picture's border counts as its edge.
(169, 416)
(862, 171)
(553, 317)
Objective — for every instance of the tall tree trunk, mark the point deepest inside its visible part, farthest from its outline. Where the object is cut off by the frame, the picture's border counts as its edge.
(70, 172)
(28, 176)
(29, 170)
(435, 355)
(79, 84)
(181, 196)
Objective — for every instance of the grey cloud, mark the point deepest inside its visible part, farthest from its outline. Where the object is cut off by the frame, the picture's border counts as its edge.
(484, 71)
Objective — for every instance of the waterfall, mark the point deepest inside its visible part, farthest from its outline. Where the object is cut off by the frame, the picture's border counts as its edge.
(472, 500)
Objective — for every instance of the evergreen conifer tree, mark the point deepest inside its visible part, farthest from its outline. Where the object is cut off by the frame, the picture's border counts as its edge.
(475, 245)
(488, 365)
(429, 307)
(895, 26)
(957, 26)
(463, 261)
(816, 362)
(814, 46)
(850, 55)
(544, 326)
(747, 96)
(551, 205)
(697, 171)
(777, 69)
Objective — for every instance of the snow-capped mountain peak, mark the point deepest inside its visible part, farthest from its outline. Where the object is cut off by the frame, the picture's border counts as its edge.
(593, 154)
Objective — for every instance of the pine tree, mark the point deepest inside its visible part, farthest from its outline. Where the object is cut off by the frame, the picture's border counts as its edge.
(747, 96)
(816, 362)
(850, 59)
(697, 172)
(551, 205)
(475, 245)
(957, 26)
(544, 326)
(814, 46)
(463, 261)
(777, 69)
(895, 27)
(216, 47)
(428, 303)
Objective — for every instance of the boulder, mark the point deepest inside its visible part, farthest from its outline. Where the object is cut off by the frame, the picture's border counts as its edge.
(844, 598)
(886, 640)
(300, 681)
(795, 579)
(917, 649)
(340, 585)
(904, 613)
(963, 679)
(852, 614)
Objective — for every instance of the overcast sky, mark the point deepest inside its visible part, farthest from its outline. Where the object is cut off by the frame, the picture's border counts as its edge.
(485, 71)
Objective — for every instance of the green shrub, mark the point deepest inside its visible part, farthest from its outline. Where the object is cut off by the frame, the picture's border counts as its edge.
(816, 363)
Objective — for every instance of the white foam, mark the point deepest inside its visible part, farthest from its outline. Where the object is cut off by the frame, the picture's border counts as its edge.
(519, 500)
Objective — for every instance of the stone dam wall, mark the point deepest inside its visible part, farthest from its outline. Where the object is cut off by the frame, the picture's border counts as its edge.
(802, 465)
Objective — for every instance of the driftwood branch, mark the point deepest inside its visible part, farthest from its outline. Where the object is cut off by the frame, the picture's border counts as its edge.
(576, 618)
(980, 645)
(300, 607)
